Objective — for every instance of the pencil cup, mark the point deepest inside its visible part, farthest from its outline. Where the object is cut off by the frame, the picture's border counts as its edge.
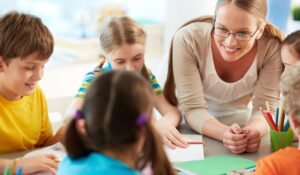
(280, 139)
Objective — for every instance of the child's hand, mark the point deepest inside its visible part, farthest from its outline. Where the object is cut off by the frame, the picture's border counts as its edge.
(38, 164)
(170, 135)
(234, 139)
(253, 139)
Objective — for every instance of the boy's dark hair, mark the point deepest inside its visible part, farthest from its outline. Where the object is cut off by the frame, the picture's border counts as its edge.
(293, 40)
(111, 107)
(23, 34)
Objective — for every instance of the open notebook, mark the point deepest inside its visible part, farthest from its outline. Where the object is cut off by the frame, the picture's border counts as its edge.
(192, 152)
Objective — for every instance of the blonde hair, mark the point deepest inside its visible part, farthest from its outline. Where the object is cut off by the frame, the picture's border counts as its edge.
(258, 8)
(290, 89)
(123, 30)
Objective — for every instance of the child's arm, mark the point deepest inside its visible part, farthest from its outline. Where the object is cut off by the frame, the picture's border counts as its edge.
(59, 136)
(4, 163)
(171, 118)
(31, 165)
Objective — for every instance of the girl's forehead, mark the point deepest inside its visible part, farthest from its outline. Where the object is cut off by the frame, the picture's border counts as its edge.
(127, 51)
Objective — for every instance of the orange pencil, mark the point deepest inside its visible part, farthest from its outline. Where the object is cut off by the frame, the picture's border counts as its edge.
(267, 118)
(269, 115)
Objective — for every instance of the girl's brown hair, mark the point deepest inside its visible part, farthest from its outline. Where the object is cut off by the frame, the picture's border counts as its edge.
(111, 108)
(123, 30)
(293, 40)
(258, 8)
(23, 34)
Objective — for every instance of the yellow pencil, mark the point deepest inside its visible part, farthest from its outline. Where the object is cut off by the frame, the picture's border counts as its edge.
(281, 118)
(268, 106)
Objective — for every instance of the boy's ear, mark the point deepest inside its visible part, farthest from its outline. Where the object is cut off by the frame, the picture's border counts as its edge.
(295, 121)
(2, 62)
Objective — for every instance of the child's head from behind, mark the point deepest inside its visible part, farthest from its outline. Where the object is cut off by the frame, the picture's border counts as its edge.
(290, 51)
(290, 89)
(123, 42)
(25, 46)
(116, 116)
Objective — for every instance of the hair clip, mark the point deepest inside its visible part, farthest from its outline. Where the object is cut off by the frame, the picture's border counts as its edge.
(78, 115)
(141, 120)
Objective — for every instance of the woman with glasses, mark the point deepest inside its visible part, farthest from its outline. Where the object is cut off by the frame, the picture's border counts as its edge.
(219, 65)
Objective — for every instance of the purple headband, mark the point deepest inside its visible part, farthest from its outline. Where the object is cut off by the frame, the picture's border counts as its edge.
(142, 119)
(78, 115)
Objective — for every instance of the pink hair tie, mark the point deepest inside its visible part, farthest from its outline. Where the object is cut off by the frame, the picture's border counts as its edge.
(141, 120)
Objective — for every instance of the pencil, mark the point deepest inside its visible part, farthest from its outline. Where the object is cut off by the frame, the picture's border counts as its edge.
(270, 118)
(281, 119)
(286, 126)
(276, 117)
(195, 142)
(267, 118)
(268, 106)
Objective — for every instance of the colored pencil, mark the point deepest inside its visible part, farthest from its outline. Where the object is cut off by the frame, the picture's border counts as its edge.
(276, 117)
(195, 142)
(268, 119)
(286, 126)
(281, 119)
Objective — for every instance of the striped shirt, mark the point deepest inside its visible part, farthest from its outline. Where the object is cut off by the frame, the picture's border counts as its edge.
(90, 76)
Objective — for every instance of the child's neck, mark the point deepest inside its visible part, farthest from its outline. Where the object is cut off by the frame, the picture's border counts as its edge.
(127, 157)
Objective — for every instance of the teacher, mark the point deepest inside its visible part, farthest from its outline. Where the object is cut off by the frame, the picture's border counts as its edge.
(221, 65)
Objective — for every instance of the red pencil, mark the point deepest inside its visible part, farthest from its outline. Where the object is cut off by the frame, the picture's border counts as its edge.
(195, 142)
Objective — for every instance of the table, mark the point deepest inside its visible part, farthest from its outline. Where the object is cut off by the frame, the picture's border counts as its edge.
(213, 147)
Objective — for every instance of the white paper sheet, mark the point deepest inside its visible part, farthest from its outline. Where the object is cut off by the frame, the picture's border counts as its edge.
(192, 152)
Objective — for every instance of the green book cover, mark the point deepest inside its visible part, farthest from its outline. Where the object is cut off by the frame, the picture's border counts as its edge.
(215, 165)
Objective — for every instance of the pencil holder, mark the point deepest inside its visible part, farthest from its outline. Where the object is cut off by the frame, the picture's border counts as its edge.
(280, 139)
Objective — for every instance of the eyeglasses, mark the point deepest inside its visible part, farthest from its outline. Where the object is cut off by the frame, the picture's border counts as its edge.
(241, 36)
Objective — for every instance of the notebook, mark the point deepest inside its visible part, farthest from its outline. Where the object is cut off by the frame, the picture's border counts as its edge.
(214, 165)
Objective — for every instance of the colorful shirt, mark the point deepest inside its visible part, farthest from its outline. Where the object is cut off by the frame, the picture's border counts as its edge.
(284, 161)
(24, 123)
(90, 76)
(94, 163)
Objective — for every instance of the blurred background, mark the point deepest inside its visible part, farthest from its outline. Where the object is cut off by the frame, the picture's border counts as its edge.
(76, 26)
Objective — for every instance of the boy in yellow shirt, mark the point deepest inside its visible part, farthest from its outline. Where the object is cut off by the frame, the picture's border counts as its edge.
(25, 47)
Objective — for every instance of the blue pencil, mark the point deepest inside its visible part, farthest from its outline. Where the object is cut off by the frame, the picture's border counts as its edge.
(286, 126)
(276, 117)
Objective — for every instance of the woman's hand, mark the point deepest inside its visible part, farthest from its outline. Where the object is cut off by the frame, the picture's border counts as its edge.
(234, 139)
(170, 135)
(253, 139)
(38, 164)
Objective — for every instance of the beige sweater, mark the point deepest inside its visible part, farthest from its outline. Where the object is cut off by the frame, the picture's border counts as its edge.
(191, 45)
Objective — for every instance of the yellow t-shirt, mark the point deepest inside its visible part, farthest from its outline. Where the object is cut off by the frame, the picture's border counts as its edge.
(24, 124)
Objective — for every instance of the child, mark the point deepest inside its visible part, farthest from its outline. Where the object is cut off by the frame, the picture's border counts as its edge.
(290, 50)
(25, 47)
(285, 160)
(113, 133)
(123, 42)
